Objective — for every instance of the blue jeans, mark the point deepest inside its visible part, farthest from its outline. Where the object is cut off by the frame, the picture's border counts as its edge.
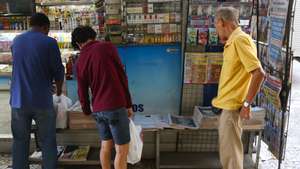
(21, 125)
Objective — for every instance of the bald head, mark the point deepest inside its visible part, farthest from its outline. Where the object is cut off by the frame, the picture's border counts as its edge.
(228, 14)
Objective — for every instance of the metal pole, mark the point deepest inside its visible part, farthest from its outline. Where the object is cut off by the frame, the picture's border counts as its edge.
(157, 166)
(285, 89)
(258, 149)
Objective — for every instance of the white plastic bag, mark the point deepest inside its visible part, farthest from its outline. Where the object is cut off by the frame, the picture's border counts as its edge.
(61, 105)
(136, 144)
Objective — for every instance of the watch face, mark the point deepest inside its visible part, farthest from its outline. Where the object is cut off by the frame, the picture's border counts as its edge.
(246, 104)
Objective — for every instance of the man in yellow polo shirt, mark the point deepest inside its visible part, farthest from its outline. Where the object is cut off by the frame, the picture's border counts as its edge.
(241, 78)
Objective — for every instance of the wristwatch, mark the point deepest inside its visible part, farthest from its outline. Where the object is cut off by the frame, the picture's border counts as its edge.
(246, 104)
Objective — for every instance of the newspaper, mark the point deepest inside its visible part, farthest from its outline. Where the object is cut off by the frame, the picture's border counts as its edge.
(183, 122)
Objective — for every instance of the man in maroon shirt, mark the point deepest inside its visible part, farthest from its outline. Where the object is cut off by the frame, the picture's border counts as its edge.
(99, 68)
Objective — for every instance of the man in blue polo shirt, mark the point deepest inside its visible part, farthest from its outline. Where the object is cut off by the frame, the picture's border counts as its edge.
(36, 64)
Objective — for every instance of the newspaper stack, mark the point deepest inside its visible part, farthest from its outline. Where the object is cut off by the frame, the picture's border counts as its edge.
(209, 120)
(257, 118)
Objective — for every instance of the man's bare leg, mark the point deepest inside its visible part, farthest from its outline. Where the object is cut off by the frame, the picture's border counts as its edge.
(121, 156)
(105, 154)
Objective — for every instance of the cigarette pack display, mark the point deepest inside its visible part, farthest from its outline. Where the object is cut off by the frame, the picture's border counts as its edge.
(113, 9)
(165, 28)
(151, 28)
(158, 28)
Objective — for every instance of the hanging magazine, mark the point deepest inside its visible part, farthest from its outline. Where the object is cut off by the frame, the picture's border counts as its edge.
(192, 36)
(263, 29)
(215, 61)
(202, 36)
(213, 36)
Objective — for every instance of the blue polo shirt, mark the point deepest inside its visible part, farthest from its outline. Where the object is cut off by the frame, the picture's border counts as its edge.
(36, 63)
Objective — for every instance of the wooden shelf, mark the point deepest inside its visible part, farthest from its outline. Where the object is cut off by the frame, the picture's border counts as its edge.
(93, 159)
(180, 160)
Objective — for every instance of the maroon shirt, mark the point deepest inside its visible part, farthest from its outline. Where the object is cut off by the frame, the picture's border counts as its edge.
(99, 68)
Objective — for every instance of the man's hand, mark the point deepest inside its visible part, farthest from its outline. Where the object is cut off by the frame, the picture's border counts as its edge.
(59, 85)
(130, 113)
(58, 91)
(245, 113)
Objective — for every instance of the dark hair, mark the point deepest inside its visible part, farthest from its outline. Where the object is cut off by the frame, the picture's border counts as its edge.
(82, 34)
(39, 19)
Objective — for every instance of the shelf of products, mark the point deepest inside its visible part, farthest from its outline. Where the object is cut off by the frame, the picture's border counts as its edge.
(203, 63)
(14, 22)
(113, 20)
(68, 18)
(64, 17)
(153, 21)
(201, 31)
(62, 2)
(202, 68)
(6, 39)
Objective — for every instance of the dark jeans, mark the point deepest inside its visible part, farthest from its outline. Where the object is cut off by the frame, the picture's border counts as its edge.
(21, 125)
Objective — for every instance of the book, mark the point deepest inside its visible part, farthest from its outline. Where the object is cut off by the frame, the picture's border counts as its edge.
(192, 36)
(202, 36)
(213, 36)
(75, 153)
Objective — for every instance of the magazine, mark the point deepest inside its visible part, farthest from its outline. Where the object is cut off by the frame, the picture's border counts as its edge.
(75, 153)
(215, 61)
(254, 27)
(148, 121)
(245, 11)
(213, 36)
(192, 36)
(263, 7)
(276, 58)
(183, 122)
(263, 29)
(202, 36)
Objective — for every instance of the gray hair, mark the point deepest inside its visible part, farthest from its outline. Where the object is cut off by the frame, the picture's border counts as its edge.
(229, 14)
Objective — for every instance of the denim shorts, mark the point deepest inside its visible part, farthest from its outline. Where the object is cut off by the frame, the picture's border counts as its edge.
(113, 125)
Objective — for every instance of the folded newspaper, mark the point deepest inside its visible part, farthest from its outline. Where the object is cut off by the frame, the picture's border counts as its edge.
(183, 122)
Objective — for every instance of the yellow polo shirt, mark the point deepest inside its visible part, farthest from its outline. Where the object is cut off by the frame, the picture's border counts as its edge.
(239, 60)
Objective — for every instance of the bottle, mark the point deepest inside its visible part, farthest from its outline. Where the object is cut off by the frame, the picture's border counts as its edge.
(69, 67)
